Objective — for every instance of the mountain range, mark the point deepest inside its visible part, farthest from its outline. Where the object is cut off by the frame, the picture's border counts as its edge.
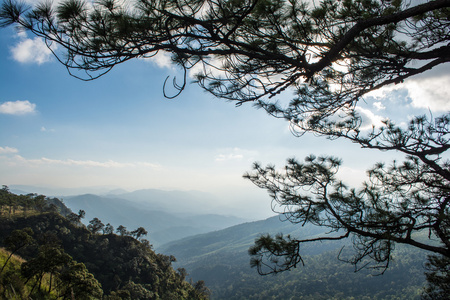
(214, 248)
(166, 215)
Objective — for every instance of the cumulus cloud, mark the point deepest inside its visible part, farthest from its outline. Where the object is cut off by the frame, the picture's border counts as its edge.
(379, 106)
(430, 93)
(18, 107)
(8, 150)
(31, 51)
(369, 119)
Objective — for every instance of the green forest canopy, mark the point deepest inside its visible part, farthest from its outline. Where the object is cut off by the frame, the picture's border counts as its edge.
(63, 259)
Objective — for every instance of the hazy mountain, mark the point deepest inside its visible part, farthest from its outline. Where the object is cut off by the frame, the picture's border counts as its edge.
(175, 201)
(58, 192)
(238, 238)
(220, 259)
(184, 202)
(116, 192)
(162, 226)
(243, 203)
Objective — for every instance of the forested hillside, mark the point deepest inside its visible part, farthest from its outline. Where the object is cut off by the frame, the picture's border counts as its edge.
(64, 259)
(221, 258)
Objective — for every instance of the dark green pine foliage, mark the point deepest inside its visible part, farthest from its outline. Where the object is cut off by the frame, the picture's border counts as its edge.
(396, 205)
(438, 278)
(253, 50)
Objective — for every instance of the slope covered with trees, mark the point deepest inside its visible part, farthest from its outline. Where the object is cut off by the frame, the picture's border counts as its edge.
(221, 259)
(61, 248)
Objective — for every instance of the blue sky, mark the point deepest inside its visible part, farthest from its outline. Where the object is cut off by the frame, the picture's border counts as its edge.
(120, 131)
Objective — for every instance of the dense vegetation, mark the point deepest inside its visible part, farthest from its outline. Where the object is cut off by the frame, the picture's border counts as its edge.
(221, 259)
(12, 284)
(64, 259)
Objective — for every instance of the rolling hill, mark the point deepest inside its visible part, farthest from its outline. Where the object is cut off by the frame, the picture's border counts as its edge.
(220, 259)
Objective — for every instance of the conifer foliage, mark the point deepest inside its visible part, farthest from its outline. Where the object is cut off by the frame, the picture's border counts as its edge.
(330, 53)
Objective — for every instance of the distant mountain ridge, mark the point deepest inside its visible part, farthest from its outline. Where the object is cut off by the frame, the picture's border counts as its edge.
(166, 215)
(184, 202)
(61, 192)
(162, 225)
(194, 202)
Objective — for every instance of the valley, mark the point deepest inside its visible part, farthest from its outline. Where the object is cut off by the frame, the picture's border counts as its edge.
(214, 248)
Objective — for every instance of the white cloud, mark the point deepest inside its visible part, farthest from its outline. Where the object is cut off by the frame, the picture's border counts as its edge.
(379, 106)
(201, 68)
(8, 150)
(22, 34)
(18, 159)
(430, 93)
(369, 119)
(87, 163)
(234, 154)
(31, 51)
(44, 129)
(18, 107)
(351, 176)
(229, 156)
(162, 60)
